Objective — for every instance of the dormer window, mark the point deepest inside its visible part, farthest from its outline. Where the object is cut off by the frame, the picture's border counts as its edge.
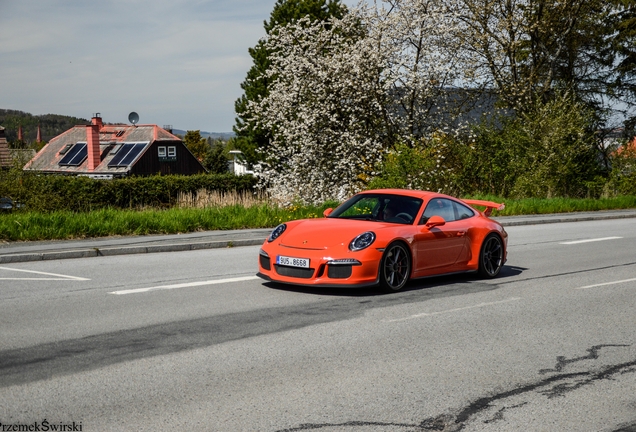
(66, 148)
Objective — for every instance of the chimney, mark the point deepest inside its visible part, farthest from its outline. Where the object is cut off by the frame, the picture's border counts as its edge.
(20, 137)
(38, 138)
(97, 120)
(92, 142)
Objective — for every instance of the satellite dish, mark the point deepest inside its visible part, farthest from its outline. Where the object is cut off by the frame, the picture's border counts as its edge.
(133, 117)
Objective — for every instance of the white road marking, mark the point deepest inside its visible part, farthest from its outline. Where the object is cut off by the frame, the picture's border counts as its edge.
(184, 285)
(59, 276)
(590, 240)
(480, 305)
(607, 283)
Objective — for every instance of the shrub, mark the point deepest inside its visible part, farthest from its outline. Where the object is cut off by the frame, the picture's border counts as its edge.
(623, 175)
(47, 193)
(548, 151)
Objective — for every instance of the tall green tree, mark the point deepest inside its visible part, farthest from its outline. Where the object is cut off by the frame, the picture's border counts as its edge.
(531, 50)
(197, 145)
(250, 137)
(216, 160)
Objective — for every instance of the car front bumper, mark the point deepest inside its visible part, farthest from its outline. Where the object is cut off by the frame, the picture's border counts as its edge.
(349, 269)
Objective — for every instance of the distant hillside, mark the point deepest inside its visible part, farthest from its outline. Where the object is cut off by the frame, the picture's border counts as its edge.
(214, 135)
(51, 125)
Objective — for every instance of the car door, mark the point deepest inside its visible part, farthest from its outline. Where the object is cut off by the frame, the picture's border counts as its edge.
(440, 247)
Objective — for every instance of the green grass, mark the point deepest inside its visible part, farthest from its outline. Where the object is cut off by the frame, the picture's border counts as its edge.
(527, 206)
(23, 226)
(27, 226)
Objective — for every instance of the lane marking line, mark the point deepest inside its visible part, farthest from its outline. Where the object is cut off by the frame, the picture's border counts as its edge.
(63, 277)
(590, 240)
(184, 285)
(607, 283)
(480, 305)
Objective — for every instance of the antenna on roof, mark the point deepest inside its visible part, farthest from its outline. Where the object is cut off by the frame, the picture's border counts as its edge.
(133, 118)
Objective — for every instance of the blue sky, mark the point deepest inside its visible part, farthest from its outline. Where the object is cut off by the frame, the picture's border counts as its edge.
(174, 62)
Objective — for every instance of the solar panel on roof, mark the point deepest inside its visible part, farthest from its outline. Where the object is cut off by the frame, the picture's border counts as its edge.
(75, 156)
(80, 157)
(132, 154)
(123, 151)
(127, 154)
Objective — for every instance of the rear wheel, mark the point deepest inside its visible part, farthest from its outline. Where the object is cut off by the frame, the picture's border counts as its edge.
(395, 267)
(491, 256)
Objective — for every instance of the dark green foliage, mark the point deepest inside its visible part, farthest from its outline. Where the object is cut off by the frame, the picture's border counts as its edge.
(216, 161)
(51, 125)
(197, 145)
(47, 193)
(549, 151)
(249, 137)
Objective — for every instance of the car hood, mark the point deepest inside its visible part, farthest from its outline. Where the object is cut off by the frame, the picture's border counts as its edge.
(326, 233)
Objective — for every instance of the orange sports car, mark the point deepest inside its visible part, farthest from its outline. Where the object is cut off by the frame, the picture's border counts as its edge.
(386, 237)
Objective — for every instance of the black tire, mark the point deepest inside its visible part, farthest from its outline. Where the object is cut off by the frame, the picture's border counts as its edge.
(395, 267)
(491, 256)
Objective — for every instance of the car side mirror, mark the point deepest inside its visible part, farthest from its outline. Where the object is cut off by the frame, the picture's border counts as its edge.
(327, 212)
(435, 221)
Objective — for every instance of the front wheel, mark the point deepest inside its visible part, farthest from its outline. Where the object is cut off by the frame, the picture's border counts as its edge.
(491, 256)
(395, 267)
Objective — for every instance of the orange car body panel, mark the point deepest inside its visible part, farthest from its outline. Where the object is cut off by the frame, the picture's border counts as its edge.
(450, 248)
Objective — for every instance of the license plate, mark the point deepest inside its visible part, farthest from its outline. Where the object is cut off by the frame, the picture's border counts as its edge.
(292, 262)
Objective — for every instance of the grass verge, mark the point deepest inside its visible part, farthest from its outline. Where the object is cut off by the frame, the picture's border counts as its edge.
(29, 226)
(527, 206)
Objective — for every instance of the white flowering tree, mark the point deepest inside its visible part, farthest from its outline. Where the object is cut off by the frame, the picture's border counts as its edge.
(325, 109)
(426, 70)
(346, 91)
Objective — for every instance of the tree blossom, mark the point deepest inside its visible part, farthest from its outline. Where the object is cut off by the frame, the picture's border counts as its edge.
(325, 111)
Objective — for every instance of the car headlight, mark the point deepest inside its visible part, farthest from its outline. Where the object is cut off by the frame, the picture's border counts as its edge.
(364, 240)
(276, 232)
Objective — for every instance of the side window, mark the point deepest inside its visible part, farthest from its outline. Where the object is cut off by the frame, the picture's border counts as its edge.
(462, 211)
(439, 207)
(161, 150)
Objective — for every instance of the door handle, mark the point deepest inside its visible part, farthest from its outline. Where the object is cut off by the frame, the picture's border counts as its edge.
(461, 233)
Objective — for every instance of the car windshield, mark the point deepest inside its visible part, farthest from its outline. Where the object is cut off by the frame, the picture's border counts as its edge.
(379, 207)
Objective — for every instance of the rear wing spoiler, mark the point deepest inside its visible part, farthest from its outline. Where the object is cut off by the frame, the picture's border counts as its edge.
(490, 206)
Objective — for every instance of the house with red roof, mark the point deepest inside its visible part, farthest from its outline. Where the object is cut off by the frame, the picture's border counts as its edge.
(110, 151)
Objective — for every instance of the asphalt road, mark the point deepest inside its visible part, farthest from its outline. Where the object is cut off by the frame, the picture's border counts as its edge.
(193, 341)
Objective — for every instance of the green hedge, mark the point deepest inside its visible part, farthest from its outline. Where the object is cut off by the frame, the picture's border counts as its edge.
(78, 194)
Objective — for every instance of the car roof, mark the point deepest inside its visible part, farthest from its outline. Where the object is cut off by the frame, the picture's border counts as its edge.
(403, 192)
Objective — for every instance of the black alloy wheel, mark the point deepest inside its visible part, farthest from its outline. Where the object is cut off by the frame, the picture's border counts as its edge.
(491, 256)
(395, 267)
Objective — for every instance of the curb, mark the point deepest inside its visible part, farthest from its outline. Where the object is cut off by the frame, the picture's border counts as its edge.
(125, 250)
(561, 220)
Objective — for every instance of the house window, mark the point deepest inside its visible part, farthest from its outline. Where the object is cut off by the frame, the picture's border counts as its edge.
(167, 154)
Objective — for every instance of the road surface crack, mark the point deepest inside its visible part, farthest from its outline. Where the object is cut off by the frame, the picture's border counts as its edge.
(551, 386)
